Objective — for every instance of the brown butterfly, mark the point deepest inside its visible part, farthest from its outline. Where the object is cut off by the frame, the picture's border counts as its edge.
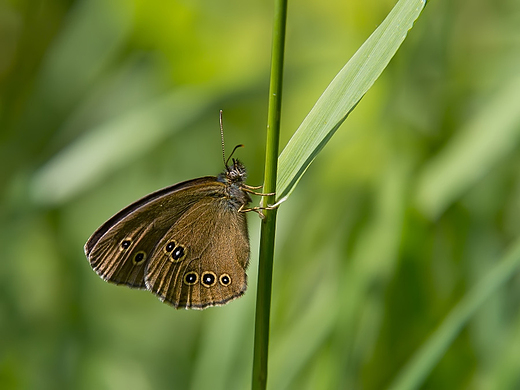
(187, 243)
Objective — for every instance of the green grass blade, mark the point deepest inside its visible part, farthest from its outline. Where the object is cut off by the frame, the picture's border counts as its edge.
(343, 93)
(421, 364)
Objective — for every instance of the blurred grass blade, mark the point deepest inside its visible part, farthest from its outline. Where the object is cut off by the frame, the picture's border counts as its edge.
(343, 93)
(111, 145)
(317, 320)
(422, 363)
(488, 138)
(77, 57)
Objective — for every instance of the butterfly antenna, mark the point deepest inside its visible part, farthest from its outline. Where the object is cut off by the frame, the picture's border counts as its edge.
(222, 139)
(235, 148)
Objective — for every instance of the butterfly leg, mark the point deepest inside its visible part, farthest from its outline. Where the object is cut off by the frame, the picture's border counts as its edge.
(246, 189)
(257, 209)
(251, 187)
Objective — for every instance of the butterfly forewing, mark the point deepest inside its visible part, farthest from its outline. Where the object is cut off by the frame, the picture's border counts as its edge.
(121, 258)
(120, 249)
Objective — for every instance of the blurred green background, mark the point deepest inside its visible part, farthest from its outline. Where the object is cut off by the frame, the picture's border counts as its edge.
(413, 201)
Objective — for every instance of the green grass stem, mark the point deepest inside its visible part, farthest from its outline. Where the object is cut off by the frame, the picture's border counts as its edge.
(265, 266)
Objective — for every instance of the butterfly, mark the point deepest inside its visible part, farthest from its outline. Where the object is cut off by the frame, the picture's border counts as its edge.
(187, 243)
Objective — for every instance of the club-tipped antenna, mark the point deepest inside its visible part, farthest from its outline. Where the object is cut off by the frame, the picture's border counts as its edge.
(235, 148)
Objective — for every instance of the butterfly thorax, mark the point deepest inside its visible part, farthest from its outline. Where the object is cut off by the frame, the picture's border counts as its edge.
(234, 177)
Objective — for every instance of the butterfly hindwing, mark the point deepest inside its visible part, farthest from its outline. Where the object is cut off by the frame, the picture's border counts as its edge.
(203, 257)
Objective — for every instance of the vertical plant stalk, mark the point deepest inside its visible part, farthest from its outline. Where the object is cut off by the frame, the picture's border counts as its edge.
(267, 237)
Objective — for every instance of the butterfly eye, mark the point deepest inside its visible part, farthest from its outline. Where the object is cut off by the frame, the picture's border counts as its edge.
(191, 278)
(225, 279)
(178, 253)
(169, 247)
(139, 257)
(208, 279)
(125, 244)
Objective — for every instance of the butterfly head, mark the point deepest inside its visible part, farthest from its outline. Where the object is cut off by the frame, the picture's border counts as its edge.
(235, 173)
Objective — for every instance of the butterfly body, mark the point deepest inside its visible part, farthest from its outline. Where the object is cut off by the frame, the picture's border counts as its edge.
(187, 243)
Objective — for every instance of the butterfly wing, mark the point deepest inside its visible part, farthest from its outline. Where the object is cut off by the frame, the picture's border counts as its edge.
(201, 260)
(187, 243)
(120, 249)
